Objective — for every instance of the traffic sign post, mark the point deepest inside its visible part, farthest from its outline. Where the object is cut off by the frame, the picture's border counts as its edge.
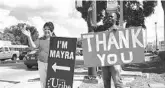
(61, 62)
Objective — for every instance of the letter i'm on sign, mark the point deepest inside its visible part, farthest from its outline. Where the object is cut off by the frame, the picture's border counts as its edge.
(110, 48)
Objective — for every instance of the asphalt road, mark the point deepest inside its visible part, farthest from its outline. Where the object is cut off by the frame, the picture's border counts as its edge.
(14, 73)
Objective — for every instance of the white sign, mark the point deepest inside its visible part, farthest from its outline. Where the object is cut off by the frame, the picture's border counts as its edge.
(112, 4)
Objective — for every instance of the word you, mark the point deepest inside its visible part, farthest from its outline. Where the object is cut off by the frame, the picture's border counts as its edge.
(113, 58)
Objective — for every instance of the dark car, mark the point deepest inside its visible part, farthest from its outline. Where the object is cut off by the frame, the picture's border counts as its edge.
(22, 55)
(30, 59)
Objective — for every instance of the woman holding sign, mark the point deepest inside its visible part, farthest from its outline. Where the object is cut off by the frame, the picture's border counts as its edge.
(42, 45)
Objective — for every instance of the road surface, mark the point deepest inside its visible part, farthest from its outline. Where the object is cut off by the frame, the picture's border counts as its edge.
(14, 73)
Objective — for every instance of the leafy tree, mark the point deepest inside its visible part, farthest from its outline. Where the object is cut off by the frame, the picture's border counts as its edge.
(8, 37)
(7, 30)
(134, 11)
(1, 36)
(17, 36)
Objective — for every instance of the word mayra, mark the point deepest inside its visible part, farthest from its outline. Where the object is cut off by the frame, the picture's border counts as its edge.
(61, 54)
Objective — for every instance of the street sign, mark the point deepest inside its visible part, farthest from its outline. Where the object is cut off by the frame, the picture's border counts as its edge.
(61, 62)
(110, 48)
(112, 5)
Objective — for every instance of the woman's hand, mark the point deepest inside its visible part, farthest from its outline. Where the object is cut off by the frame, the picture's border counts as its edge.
(26, 32)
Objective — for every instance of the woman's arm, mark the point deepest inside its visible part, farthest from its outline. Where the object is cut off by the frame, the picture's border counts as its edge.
(28, 34)
(31, 43)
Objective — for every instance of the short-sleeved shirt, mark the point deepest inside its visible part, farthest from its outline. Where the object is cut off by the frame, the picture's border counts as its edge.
(43, 46)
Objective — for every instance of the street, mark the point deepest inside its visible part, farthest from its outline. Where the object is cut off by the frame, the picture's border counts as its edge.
(15, 73)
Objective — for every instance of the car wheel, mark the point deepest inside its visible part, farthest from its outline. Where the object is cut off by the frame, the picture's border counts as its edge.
(29, 66)
(14, 57)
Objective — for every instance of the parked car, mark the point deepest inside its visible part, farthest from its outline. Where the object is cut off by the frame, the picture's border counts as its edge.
(161, 54)
(30, 59)
(22, 55)
(7, 53)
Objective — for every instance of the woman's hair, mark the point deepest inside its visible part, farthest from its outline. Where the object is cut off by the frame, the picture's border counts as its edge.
(50, 25)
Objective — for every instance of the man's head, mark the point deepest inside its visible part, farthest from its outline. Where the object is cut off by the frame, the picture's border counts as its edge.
(48, 29)
(110, 19)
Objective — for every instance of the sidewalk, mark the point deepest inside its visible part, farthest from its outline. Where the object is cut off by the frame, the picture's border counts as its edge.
(78, 81)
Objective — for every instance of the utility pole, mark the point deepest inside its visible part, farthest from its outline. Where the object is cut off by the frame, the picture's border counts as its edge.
(156, 35)
(121, 13)
(92, 71)
(163, 5)
(91, 22)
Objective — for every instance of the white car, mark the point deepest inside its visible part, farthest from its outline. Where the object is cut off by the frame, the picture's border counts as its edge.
(7, 53)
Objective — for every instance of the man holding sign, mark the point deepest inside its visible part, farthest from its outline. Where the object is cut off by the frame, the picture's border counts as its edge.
(112, 47)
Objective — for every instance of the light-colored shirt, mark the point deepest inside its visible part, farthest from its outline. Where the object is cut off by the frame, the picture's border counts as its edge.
(43, 46)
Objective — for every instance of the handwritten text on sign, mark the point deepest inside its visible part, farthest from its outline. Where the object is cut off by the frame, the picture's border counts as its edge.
(62, 54)
(61, 62)
(109, 48)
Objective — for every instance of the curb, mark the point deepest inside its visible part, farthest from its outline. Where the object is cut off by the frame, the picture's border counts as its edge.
(6, 62)
(79, 59)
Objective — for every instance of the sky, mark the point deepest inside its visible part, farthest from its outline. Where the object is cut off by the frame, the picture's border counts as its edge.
(67, 21)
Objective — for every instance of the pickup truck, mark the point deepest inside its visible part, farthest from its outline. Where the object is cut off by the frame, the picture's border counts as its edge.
(7, 53)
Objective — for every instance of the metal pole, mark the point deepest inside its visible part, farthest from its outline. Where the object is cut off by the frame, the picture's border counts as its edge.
(163, 5)
(121, 13)
(92, 70)
(156, 34)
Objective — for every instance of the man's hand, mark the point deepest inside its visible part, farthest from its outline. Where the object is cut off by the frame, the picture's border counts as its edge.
(114, 28)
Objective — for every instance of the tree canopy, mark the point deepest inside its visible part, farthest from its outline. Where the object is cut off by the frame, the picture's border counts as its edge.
(134, 12)
(14, 34)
